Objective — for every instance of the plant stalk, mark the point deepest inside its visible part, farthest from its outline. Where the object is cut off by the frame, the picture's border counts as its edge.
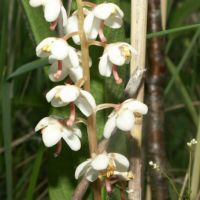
(91, 121)
(138, 41)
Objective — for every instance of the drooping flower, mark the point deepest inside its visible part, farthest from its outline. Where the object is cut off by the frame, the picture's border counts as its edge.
(64, 94)
(59, 53)
(53, 130)
(107, 13)
(123, 117)
(103, 165)
(53, 9)
(115, 54)
(73, 69)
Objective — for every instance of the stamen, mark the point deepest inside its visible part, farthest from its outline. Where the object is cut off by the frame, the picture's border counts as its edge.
(58, 149)
(59, 71)
(118, 80)
(53, 25)
(72, 115)
(101, 33)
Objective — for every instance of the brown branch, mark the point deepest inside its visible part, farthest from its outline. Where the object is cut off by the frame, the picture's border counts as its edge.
(84, 183)
(155, 101)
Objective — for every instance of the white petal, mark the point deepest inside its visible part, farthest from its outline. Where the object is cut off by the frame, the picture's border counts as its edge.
(51, 135)
(105, 66)
(86, 103)
(69, 93)
(125, 120)
(72, 26)
(47, 41)
(77, 132)
(64, 16)
(122, 163)
(135, 106)
(92, 175)
(103, 11)
(57, 102)
(45, 122)
(95, 29)
(88, 22)
(110, 127)
(100, 162)
(59, 49)
(72, 140)
(52, 10)
(53, 70)
(115, 55)
(113, 22)
(35, 3)
(50, 95)
(73, 57)
(76, 73)
(82, 168)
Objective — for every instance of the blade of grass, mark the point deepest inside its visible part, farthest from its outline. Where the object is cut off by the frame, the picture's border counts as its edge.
(183, 91)
(196, 167)
(35, 174)
(172, 31)
(7, 135)
(183, 61)
(28, 67)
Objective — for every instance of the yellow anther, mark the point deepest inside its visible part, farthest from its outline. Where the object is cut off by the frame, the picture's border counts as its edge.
(57, 96)
(113, 11)
(46, 48)
(126, 52)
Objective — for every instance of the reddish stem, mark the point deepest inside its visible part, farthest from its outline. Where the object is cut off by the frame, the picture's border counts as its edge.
(101, 33)
(59, 71)
(58, 149)
(53, 25)
(108, 186)
(72, 115)
(118, 80)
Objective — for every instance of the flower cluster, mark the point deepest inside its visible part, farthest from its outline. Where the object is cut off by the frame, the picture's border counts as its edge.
(66, 64)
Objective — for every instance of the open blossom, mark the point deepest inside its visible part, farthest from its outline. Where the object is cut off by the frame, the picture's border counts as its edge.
(61, 55)
(124, 116)
(52, 9)
(64, 94)
(73, 69)
(53, 131)
(103, 165)
(115, 54)
(107, 13)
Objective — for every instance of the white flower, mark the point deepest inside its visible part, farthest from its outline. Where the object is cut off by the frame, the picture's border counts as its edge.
(124, 118)
(118, 54)
(54, 48)
(70, 66)
(64, 94)
(52, 9)
(53, 131)
(72, 25)
(108, 13)
(104, 165)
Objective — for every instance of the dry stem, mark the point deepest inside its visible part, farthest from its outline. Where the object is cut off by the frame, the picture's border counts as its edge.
(138, 41)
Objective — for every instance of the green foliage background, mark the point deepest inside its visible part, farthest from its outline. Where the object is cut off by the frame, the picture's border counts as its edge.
(27, 169)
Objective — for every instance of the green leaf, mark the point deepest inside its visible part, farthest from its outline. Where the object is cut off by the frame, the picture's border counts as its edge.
(29, 67)
(172, 31)
(7, 135)
(38, 25)
(35, 174)
(180, 85)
